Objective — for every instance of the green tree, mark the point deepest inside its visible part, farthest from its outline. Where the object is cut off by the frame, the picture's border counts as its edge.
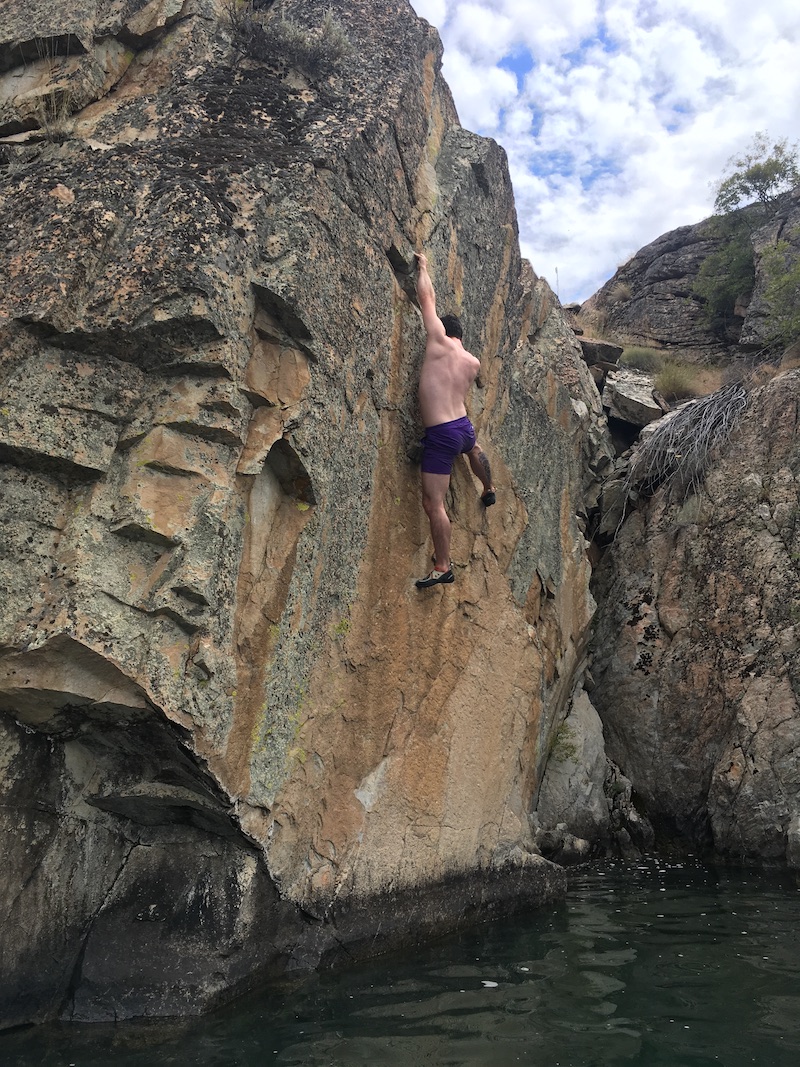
(728, 272)
(782, 292)
(744, 195)
(758, 175)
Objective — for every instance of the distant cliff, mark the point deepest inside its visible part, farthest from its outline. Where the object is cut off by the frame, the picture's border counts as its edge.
(234, 737)
(652, 299)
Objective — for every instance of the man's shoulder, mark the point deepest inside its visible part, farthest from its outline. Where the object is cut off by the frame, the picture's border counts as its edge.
(439, 347)
(471, 360)
(448, 348)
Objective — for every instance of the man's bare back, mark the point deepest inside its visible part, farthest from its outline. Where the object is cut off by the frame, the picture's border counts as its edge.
(448, 370)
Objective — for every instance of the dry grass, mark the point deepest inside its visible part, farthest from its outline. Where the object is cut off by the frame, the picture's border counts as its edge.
(53, 114)
(682, 381)
(764, 373)
(677, 453)
(790, 360)
(284, 44)
(595, 322)
(673, 378)
(620, 293)
(49, 103)
(709, 379)
(641, 358)
(677, 381)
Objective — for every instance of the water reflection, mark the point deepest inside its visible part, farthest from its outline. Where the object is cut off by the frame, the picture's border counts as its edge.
(660, 965)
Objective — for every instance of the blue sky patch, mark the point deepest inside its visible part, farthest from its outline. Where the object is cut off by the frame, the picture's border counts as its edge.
(599, 42)
(548, 164)
(611, 134)
(519, 64)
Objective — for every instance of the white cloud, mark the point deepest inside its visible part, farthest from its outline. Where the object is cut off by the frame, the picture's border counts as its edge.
(629, 113)
(483, 91)
(435, 11)
(549, 32)
(482, 32)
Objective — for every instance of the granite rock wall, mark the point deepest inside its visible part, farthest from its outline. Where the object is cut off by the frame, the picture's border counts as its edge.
(235, 737)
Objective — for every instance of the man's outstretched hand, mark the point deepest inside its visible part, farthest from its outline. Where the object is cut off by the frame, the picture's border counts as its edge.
(422, 260)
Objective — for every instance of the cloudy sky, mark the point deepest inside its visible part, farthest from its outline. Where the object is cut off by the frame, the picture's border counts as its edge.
(617, 115)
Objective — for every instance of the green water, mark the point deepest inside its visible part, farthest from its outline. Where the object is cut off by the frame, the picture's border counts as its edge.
(669, 964)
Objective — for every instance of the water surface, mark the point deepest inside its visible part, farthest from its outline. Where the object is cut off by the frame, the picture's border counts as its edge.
(658, 964)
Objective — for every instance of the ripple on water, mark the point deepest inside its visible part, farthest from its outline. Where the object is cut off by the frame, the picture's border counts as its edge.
(655, 964)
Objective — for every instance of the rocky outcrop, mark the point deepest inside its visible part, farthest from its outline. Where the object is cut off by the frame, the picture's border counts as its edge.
(235, 737)
(572, 816)
(628, 395)
(585, 805)
(696, 658)
(651, 299)
(600, 357)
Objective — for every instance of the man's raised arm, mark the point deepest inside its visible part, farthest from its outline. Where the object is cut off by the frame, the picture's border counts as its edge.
(427, 299)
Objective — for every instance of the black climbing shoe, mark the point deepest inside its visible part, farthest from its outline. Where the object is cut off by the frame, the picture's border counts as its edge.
(436, 578)
(488, 498)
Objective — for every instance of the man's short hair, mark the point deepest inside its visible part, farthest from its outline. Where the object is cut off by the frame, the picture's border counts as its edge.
(452, 326)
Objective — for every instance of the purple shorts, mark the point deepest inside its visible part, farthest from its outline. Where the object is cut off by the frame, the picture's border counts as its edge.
(441, 444)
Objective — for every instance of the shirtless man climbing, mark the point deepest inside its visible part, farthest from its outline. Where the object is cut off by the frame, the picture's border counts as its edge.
(448, 371)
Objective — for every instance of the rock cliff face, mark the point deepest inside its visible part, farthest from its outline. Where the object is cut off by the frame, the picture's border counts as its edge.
(234, 736)
(696, 650)
(651, 301)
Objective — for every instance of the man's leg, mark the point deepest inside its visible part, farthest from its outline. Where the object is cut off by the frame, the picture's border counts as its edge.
(479, 463)
(434, 490)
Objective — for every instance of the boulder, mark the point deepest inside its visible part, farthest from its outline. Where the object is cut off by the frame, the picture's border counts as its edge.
(696, 651)
(628, 395)
(236, 738)
(585, 805)
(599, 352)
(571, 793)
